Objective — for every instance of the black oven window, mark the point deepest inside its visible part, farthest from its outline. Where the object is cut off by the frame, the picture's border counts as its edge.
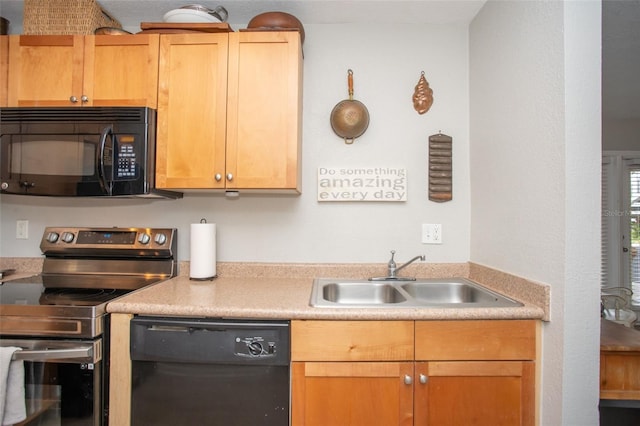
(61, 394)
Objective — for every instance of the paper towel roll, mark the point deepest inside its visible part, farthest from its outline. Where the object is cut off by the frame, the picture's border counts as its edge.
(203, 251)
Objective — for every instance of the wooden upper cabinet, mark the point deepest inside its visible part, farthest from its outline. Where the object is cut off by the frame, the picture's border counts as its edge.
(73, 70)
(45, 70)
(264, 110)
(192, 99)
(230, 111)
(121, 70)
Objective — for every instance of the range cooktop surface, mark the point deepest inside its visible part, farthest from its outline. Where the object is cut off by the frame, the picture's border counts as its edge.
(31, 291)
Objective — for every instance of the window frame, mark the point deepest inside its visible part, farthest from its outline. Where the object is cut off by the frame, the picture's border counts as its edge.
(616, 229)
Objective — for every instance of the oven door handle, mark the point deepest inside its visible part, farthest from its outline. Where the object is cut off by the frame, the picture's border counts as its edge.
(49, 354)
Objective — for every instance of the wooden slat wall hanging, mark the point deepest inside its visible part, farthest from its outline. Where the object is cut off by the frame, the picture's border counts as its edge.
(440, 168)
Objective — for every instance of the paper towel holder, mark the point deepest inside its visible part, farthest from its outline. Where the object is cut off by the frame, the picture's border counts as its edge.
(211, 278)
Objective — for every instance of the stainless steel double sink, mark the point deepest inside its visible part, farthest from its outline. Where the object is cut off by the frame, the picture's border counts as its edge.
(399, 293)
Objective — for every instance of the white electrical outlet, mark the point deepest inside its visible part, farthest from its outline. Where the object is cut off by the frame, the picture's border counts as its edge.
(22, 229)
(431, 233)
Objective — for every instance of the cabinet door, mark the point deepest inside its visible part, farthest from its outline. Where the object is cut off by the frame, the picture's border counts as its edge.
(192, 98)
(122, 70)
(352, 393)
(264, 111)
(45, 70)
(620, 375)
(482, 393)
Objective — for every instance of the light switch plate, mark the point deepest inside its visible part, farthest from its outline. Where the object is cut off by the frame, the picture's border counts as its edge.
(22, 229)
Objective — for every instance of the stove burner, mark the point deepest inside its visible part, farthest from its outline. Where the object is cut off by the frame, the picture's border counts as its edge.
(78, 296)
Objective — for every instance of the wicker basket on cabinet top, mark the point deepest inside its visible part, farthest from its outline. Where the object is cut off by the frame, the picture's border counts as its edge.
(65, 17)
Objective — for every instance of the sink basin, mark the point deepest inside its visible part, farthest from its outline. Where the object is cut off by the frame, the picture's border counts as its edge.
(449, 292)
(397, 293)
(356, 293)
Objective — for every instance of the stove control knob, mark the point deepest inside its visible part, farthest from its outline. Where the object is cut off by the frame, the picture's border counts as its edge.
(67, 237)
(160, 239)
(144, 239)
(52, 237)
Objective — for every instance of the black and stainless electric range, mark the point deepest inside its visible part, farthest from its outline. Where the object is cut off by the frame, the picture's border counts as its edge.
(59, 317)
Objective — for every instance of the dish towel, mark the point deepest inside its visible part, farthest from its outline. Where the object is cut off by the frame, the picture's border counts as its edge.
(12, 402)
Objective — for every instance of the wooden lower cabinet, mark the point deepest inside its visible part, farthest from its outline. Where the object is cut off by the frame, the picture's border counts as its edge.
(352, 393)
(459, 373)
(475, 393)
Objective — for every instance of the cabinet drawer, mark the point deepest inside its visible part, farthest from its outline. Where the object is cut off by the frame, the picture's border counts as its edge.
(476, 340)
(352, 340)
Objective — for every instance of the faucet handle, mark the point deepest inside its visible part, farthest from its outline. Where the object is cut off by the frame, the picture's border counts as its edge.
(391, 261)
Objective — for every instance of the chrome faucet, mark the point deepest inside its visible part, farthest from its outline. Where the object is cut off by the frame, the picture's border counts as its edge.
(392, 268)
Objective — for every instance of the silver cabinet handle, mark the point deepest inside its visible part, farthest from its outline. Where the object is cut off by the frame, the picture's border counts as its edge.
(84, 99)
(408, 379)
(229, 177)
(423, 379)
(218, 177)
(73, 99)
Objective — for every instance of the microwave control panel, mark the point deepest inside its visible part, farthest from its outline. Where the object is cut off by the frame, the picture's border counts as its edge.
(127, 166)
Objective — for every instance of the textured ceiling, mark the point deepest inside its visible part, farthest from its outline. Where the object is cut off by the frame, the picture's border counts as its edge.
(131, 12)
(620, 38)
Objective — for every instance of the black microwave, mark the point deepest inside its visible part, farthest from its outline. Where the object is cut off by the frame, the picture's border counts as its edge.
(79, 152)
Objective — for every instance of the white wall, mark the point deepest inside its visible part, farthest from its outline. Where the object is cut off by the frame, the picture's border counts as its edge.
(527, 151)
(535, 190)
(387, 63)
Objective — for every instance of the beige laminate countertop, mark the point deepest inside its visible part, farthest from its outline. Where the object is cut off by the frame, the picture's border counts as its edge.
(270, 291)
(282, 291)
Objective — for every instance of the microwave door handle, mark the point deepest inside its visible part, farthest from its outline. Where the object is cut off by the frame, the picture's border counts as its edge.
(107, 186)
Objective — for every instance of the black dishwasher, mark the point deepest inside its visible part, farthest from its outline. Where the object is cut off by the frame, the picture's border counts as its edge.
(209, 372)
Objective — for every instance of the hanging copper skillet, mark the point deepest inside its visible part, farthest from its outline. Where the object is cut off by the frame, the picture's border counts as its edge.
(349, 118)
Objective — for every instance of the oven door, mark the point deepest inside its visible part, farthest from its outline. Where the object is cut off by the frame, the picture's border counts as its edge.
(63, 381)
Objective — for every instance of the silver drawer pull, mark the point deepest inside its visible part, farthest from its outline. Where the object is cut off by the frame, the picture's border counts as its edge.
(408, 379)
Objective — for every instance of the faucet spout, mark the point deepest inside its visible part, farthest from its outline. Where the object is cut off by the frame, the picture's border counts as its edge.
(392, 268)
(420, 257)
